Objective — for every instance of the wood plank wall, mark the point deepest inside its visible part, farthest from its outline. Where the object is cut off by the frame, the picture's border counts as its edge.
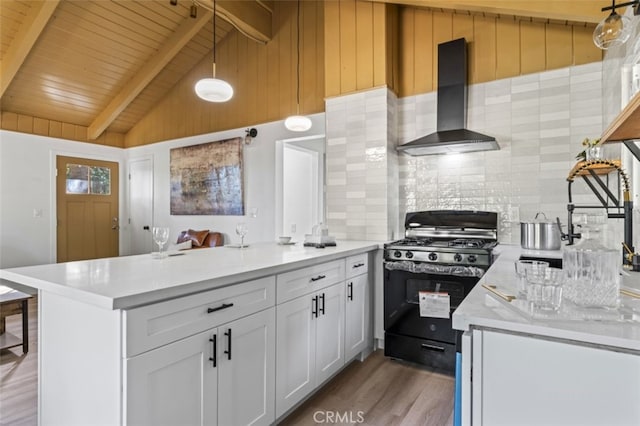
(263, 78)
(56, 129)
(498, 47)
(346, 46)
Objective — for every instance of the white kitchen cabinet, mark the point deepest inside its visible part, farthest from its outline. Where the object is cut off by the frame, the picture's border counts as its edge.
(357, 317)
(246, 376)
(309, 348)
(174, 384)
(225, 375)
(529, 380)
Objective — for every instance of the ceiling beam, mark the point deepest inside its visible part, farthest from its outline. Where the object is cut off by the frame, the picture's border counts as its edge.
(185, 32)
(30, 29)
(572, 11)
(251, 18)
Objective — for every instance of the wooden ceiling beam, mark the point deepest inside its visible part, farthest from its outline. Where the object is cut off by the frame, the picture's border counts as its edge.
(187, 30)
(251, 18)
(35, 21)
(571, 11)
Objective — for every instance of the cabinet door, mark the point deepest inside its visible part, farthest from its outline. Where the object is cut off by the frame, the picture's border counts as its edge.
(175, 384)
(246, 376)
(330, 332)
(357, 315)
(295, 352)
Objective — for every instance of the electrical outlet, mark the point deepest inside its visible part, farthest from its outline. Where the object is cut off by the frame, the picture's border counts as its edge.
(514, 214)
(293, 228)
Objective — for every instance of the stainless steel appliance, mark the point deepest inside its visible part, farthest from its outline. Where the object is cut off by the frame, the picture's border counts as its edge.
(445, 252)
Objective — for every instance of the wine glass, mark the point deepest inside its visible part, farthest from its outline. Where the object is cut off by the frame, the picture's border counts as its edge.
(160, 236)
(241, 230)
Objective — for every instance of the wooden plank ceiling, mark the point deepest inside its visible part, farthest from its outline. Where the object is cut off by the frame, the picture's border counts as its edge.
(105, 64)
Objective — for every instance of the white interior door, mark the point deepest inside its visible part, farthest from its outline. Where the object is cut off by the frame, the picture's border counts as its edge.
(300, 165)
(141, 205)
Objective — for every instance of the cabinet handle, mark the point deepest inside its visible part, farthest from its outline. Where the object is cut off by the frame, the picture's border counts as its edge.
(228, 334)
(350, 295)
(322, 309)
(357, 265)
(314, 309)
(319, 277)
(219, 308)
(432, 348)
(214, 344)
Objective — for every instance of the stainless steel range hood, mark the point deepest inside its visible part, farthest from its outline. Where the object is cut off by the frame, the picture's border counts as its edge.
(451, 135)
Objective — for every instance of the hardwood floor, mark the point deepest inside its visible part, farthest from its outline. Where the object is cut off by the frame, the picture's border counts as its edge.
(19, 374)
(378, 392)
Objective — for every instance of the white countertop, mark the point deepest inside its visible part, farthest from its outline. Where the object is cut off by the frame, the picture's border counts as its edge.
(483, 309)
(128, 281)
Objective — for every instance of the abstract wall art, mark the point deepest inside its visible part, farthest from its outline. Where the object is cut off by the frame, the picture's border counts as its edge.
(207, 179)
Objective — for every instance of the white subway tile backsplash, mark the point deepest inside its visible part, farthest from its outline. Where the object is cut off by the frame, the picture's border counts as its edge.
(539, 121)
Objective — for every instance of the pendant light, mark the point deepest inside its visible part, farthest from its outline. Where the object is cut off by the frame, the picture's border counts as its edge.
(615, 29)
(298, 123)
(214, 89)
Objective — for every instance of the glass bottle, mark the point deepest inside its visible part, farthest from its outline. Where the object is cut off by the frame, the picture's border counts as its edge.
(592, 270)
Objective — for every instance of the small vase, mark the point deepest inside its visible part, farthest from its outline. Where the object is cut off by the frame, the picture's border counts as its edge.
(593, 153)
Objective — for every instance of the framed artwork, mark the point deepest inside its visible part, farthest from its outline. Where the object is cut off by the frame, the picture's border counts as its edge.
(207, 179)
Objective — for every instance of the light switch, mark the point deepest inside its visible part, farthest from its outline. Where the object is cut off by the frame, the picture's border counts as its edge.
(37, 212)
(293, 228)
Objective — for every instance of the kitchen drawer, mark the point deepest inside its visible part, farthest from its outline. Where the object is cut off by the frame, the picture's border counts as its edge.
(307, 280)
(357, 265)
(156, 325)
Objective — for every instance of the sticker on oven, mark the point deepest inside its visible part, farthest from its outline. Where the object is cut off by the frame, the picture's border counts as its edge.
(434, 305)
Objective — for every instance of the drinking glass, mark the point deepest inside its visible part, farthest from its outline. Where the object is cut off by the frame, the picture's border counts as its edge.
(160, 236)
(544, 288)
(521, 269)
(241, 230)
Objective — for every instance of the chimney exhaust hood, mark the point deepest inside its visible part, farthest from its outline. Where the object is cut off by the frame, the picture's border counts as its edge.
(451, 136)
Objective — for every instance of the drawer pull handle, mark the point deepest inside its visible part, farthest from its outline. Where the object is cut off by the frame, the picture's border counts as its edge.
(319, 277)
(350, 295)
(432, 348)
(214, 341)
(357, 265)
(219, 308)
(322, 309)
(314, 309)
(228, 334)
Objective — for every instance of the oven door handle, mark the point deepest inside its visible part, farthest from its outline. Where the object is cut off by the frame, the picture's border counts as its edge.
(434, 348)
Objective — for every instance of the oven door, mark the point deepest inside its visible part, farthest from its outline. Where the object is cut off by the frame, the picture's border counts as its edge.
(402, 308)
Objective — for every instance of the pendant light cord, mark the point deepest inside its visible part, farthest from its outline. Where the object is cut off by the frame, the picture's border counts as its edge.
(298, 60)
(214, 38)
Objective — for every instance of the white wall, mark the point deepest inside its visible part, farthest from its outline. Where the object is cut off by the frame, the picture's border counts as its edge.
(27, 190)
(259, 181)
(27, 185)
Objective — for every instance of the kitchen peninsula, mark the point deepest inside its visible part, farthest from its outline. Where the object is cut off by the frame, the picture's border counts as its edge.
(197, 338)
(519, 368)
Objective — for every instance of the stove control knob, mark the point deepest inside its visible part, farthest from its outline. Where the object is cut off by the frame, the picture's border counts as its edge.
(457, 257)
(397, 254)
(408, 255)
(472, 258)
(433, 256)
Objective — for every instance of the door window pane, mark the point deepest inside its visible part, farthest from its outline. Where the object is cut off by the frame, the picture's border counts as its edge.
(83, 179)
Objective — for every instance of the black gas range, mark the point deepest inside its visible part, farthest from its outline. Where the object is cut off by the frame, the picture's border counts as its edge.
(444, 253)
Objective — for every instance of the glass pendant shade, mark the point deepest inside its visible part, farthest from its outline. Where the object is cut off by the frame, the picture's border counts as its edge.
(214, 90)
(612, 31)
(297, 123)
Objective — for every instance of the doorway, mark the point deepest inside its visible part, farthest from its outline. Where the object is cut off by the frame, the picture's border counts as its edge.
(141, 205)
(87, 209)
(300, 186)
